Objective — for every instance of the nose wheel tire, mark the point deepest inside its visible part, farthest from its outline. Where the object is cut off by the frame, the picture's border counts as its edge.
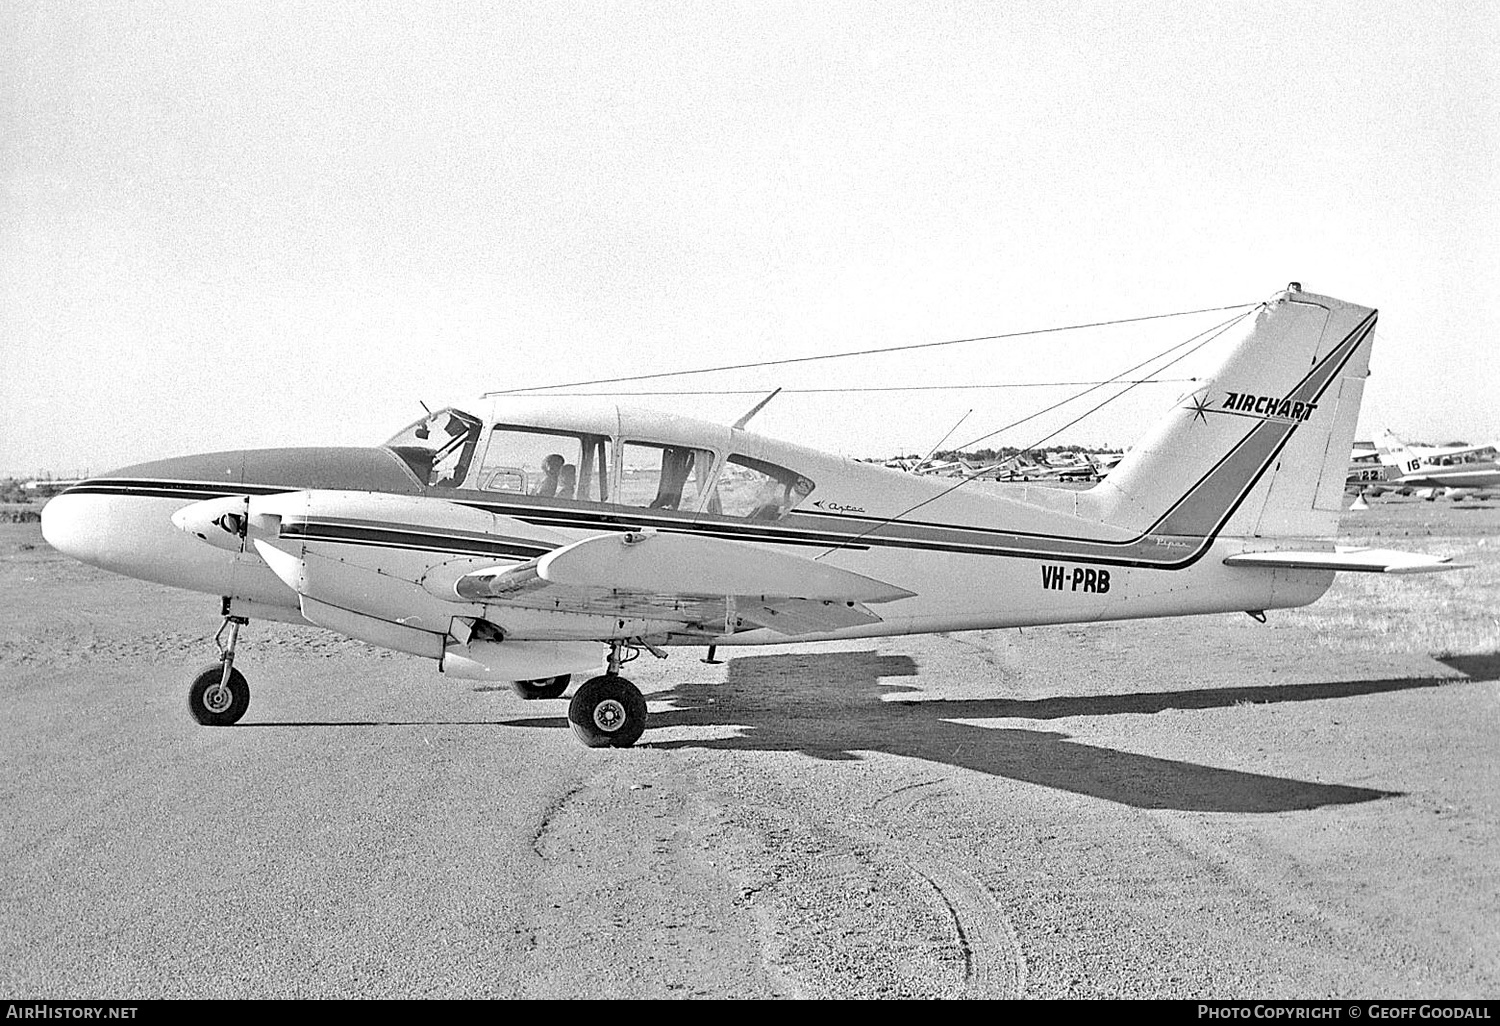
(546, 687)
(214, 704)
(607, 712)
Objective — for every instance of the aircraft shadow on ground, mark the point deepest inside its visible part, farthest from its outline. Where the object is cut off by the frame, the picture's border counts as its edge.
(246, 725)
(833, 706)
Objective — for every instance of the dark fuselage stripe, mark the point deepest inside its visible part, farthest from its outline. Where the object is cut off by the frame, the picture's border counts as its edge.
(384, 537)
(159, 488)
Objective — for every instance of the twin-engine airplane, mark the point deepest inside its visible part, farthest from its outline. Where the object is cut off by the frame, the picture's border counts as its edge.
(537, 538)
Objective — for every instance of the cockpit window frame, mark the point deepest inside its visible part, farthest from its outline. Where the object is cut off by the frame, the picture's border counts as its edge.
(469, 439)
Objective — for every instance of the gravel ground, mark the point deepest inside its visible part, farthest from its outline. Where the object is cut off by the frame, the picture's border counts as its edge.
(1204, 807)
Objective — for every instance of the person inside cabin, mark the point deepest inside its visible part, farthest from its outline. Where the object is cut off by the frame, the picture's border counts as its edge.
(777, 498)
(676, 464)
(801, 489)
(567, 481)
(551, 469)
(769, 501)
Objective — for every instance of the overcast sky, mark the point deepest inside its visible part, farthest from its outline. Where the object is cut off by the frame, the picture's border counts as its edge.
(233, 225)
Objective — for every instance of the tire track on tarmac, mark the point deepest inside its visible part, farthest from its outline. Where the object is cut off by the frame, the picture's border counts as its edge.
(549, 815)
(994, 962)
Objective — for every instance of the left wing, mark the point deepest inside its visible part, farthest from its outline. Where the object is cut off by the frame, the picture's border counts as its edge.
(691, 579)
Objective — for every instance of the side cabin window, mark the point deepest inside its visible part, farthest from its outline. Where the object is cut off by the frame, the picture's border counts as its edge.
(547, 464)
(659, 476)
(758, 490)
(439, 448)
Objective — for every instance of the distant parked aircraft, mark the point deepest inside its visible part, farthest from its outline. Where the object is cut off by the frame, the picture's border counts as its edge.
(1451, 470)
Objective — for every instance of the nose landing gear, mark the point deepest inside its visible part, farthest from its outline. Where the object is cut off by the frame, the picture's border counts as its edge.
(219, 694)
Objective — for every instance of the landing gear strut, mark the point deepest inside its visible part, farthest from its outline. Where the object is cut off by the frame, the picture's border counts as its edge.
(219, 695)
(608, 711)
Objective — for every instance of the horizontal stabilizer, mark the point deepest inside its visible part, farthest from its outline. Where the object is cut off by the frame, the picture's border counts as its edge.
(1375, 561)
(680, 564)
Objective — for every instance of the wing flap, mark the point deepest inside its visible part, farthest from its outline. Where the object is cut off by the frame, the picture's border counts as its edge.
(803, 616)
(1377, 561)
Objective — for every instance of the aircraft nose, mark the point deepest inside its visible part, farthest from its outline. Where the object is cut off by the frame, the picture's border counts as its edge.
(70, 526)
(94, 528)
(124, 525)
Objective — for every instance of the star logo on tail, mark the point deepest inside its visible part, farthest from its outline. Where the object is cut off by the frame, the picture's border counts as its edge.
(1199, 407)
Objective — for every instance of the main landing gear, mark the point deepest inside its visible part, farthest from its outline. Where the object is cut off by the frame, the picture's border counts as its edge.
(608, 711)
(545, 687)
(219, 695)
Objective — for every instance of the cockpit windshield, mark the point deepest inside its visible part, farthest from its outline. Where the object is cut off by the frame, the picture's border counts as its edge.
(439, 447)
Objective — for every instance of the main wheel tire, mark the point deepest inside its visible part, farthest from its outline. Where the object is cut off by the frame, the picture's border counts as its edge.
(207, 701)
(546, 687)
(608, 712)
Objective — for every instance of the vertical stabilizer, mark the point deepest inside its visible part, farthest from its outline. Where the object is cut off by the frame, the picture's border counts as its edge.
(1389, 442)
(1261, 446)
(1396, 454)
